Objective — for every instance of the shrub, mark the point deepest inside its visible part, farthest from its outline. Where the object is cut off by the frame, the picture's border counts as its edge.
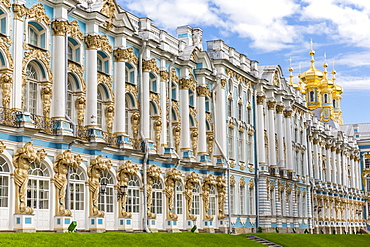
(259, 230)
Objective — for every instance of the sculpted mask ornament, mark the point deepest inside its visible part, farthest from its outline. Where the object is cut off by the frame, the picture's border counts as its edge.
(60, 28)
(208, 182)
(153, 173)
(190, 181)
(22, 159)
(97, 165)
(19, 11)
(135, 120)
(170, 181)
(61, 166)
(92, 42)
(125, 55)
(221, 196)
(210, 139)
(123, 176)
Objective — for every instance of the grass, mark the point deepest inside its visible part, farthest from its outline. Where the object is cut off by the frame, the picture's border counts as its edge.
(315, 240)
(124, 239)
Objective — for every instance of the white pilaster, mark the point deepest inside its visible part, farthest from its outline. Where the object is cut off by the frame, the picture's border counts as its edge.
(260, 129)
(271, 133)
(288, 134)
(59, 71)
(280, 134)
(91, 88)
(120, 92)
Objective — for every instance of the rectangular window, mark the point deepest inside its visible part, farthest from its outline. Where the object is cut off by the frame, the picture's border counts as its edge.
(367, 163)
(77, 54)
(106, 200)
(229, 107)
(240, 112)
(106, 67)
(240, 147)
(133, 204)
(212, 205)
(195, 205)
(251, 202)
(43, 194)
(156, 206)
(368, 209)
(232, 199)
(178, 203)
(3, 25)
(231, 143)
(368, 184)
(242, 200)
(33, 37)
(77, 196)
(4, 189)
(42, 41)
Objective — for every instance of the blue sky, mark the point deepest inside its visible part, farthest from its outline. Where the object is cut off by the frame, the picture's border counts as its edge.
(273, 31)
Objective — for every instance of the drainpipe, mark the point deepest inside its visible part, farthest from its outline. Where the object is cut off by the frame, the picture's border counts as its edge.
(257, 169)
(146, 147)
(228, 166)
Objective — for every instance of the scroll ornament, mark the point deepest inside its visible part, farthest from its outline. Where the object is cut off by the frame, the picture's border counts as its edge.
(170, 180)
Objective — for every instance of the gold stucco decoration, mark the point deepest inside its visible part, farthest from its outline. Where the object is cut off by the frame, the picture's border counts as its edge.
(153, 172)
(21, 161)
(6, 49)
(2, 147)
(74, 30)
(123, 177)
(97, 165)
(170, 180)
(109, 114)
(61, 166)
(80, 105)
(210, 140)
(194, 140)
(104, 44)
(92, 42)
(108, 10)
(6, 83)
(125, 55)
(157, 130)
(60, 28)
(260, 99)
(6, 3)
(208, 182)
(38, 12)
(46, 94)
(40, 56)
(203, 91)
(221, 196)
(191, 180)
(176, 135)
(78, 71)
(19, 11)
(150, 66)
(107, 81)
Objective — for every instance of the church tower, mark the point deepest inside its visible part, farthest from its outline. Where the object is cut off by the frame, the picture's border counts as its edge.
(323, 95)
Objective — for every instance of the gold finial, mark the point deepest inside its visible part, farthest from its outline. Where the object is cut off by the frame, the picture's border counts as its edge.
(312, 53)
(333, 72)
(325, 65)
(291, 72)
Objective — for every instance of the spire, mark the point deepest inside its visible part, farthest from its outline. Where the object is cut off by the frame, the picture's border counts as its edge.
(333, 72)
(291, 72)
(312, 54)
(325, 65)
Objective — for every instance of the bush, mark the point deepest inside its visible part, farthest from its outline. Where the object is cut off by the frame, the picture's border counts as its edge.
(259, 229)
(333, 231)
(277, 229)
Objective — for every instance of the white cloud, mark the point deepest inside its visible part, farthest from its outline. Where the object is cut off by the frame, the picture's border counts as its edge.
(354, 83)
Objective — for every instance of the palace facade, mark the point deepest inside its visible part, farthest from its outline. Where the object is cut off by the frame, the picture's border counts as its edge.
(108, 121)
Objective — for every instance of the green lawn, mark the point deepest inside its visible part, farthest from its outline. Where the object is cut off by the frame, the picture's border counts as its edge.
(315, 240)
(124, 239)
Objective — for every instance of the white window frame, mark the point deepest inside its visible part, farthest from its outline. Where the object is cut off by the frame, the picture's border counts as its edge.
(38, 187)
(157, 197)
(195, 205)
(106, 200)
(4, 183)
(133, 195)
(179, 198)
(212, 201)
(77, 188)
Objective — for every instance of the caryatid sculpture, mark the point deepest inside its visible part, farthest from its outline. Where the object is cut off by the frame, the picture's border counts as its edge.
(170, 180)
(123, 177)
(208, 182)
(61, 166)
(153, 173)
(22, 159)
(191, 180)
(97, 165)
(221, 195)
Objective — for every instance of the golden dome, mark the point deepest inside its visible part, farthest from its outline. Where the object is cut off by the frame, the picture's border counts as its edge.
(338, 89)
(312, 75)
(326, 82)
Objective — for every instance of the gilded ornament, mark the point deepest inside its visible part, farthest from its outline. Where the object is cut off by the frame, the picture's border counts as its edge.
(19, 11)
(176, 135)
(191, 180)
(81, 105)
(276, 79)
(97, 165)
(208, 183)
(194, 141)
(232, 180)
(153, 172)
(156, 98)
(174, 77)
(61, 165)
(232, 163)
(109, 114)
(46, 94)
(107, 81)
(203, 91)
(60, 28)
(288, 113)
(251, 184)
(164, 75)
(260, 99)
(150, 66)
(210, 140)
(242, 182)
(185, 84)
(2, 147)
(133, 90)
(6, 3)
(223, 83)
(38, 12)
(158, 129)
(104, 44)
(279, 109)
(123, 177)
(74, 30)
(271, 105)
(42, 57)
(21, 161)
(92, 42)
(135, 120)
(221, 196)
(6, 83)
(170, 181)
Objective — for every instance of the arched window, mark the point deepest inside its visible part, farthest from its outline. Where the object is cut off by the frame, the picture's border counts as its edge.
(326, 98)
(191, 98)
(212, 201)
(133, 195)
(241, 146)
(130, 74)
(36, 35)
(77, 188)
(100, 107)
(31, 90)
(156, 206)
(272, 201)
(240, 112)
(229, 107)
(195, 205)
(334, 103)
(242, 199)
(153, 83)
(251, 201)
(179, 197)
(38, 188)
(174, 91)
(106, 199)
(368, 183)
(102, 62)
(230, 145)
(3, 27)
(69, 97)
(74, 51)
(312, 96)
(208, 104)
(153, 117)
(240, 91)
(230, 86)
(4, 183)
(232, 199)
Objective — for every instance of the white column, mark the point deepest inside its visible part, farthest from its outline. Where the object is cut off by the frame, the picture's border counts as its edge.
(340, 168)
(309, 154)
(145, 93)
(164, 112)
(91, 87)
(280, 134)
(18, 30)
(353, 171)
(184, 112)
(271, 133)
(328, 165)
(59, 71)
(305, 160)
(260, 131)
(334, 164)
(358, 172)
(220, 116)
(202, 140)
(316, 158)
(120, 92)
(288, 134)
